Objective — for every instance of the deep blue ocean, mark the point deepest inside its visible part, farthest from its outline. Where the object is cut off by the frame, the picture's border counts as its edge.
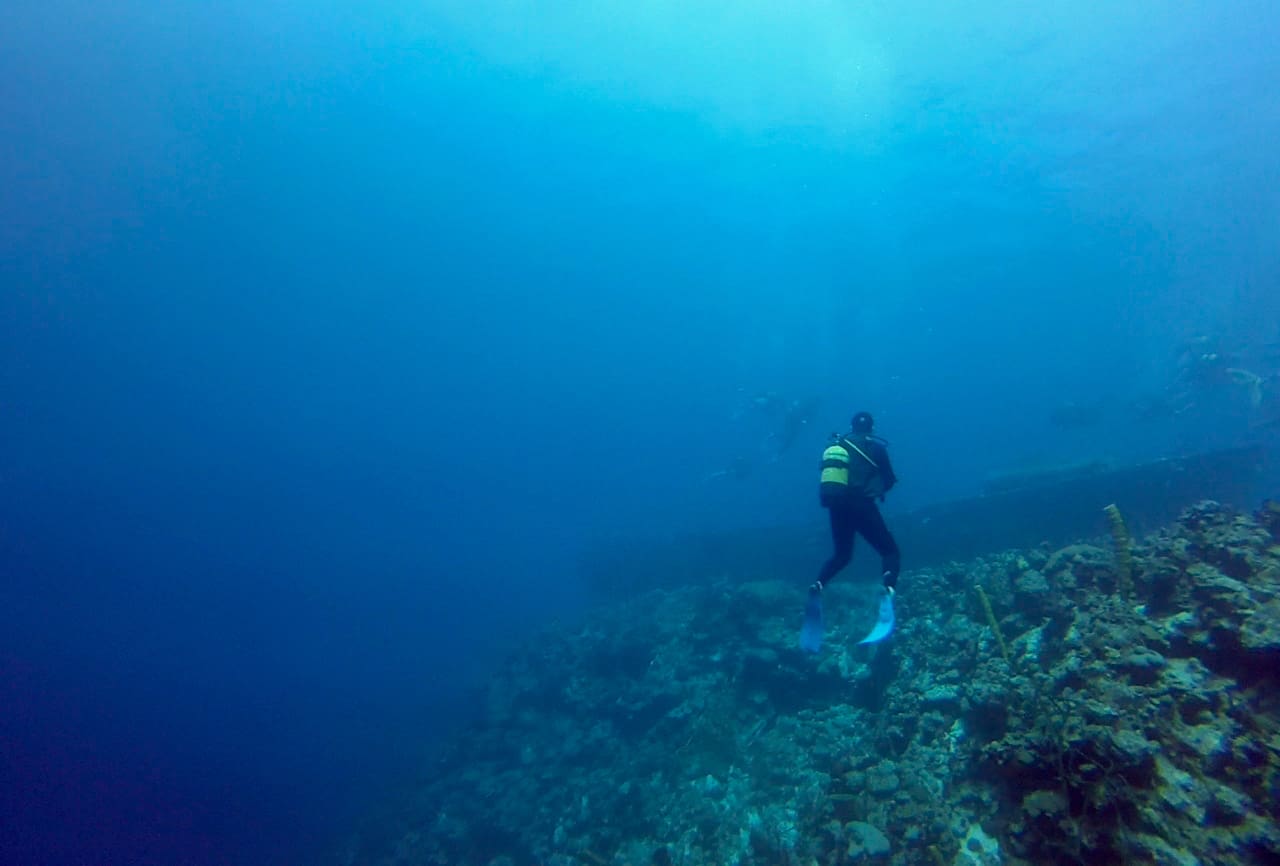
(332, 334)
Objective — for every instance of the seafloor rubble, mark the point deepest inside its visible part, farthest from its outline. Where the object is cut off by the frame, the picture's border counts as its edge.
(1123, 709)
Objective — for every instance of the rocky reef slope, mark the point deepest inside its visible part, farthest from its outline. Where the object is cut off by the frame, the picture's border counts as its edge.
(1083, 707)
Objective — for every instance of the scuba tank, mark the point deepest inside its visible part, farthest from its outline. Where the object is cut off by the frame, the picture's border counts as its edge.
(833, 485)
(848, 469)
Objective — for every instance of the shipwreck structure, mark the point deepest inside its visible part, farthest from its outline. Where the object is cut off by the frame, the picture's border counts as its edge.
(1022, 510)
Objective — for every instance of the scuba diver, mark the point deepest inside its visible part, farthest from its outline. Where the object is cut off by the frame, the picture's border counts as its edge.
(855, 473)
(786, 418)
(1202, 369)
(1206, 372)
(1200, 364)
(795, 420)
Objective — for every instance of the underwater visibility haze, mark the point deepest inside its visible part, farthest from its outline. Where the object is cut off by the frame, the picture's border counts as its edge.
(336, 337)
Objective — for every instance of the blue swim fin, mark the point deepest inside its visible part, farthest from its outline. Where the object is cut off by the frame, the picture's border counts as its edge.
(884, 622)
(811, 632)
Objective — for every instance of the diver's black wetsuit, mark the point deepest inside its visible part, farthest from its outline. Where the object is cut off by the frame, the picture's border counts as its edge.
(861, 515)
(858, 513)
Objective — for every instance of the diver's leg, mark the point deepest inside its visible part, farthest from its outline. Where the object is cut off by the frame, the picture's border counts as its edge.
(842, 529)
(872, 526)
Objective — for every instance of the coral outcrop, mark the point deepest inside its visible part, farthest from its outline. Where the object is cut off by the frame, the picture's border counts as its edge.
(1131, 726)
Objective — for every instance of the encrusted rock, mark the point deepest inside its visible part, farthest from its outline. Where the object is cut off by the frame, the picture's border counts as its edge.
(865, 841)
(1051, 803)
(1260, 631)
(1143, 665)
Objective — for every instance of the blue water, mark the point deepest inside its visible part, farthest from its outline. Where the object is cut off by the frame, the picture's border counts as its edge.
(330, 333)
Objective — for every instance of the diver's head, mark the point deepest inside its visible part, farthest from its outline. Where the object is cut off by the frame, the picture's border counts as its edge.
(862, 422)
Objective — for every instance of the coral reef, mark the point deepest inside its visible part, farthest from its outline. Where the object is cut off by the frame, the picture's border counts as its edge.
(685, 728)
